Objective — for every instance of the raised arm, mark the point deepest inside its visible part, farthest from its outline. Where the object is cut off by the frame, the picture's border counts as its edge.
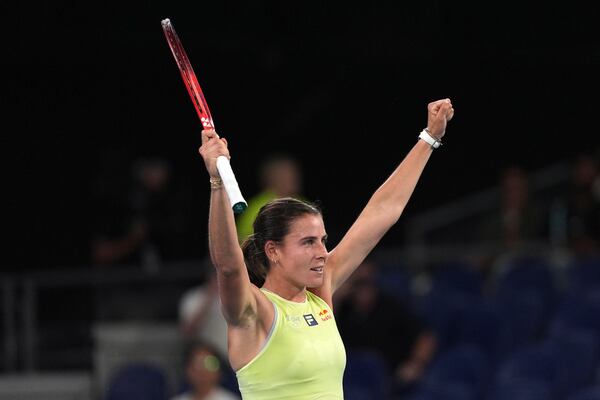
(235, 289)
(387, 203)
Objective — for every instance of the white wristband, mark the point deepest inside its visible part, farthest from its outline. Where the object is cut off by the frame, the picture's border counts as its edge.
(426, 136)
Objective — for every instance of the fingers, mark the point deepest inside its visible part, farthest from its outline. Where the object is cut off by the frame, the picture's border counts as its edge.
(208, 134)
(444, 106)
(447, 109)
(439, 113)
(450, 113)
(435, 105)
(212, 148)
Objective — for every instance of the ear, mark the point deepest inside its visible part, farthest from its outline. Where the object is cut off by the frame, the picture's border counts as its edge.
(271, 251)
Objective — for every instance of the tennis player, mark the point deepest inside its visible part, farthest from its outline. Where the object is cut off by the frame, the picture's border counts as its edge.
(276, 289)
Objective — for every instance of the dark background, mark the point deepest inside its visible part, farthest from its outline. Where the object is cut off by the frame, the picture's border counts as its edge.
(93, 86)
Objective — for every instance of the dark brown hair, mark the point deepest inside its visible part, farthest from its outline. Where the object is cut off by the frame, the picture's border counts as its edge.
(273, 222)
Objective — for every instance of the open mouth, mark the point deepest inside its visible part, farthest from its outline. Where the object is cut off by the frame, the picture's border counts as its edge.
(317, 269)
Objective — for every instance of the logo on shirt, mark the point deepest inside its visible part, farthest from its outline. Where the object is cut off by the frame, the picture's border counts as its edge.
(310, 320)
(294, 320)
(325, 315)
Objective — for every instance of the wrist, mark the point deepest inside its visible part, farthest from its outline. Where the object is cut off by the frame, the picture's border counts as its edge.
(428, 138)
(216, 183)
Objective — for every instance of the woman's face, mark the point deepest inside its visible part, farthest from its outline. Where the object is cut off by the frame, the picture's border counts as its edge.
(203, 371)
(302, 254)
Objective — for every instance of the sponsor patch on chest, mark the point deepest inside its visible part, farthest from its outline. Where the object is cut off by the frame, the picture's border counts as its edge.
(310, 320)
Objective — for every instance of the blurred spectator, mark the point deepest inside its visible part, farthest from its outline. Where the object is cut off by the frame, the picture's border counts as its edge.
(200, 316)
(280, 176)
(520, 220)
(368, 319)
(583, 206)
(204, 369)
(150, 222)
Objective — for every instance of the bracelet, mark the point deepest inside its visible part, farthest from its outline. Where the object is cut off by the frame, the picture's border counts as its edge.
(428, 138)
(216, 183)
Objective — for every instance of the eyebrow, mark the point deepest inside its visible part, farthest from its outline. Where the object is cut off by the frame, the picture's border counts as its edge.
(325, 237)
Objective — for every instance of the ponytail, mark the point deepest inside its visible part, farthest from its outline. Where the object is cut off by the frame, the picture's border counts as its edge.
(256, 259)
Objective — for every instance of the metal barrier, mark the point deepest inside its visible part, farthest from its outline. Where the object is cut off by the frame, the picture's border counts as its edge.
(9, 322)
(21, 297)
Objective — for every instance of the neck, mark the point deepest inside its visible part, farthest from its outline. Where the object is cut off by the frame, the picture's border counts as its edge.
(285, 289)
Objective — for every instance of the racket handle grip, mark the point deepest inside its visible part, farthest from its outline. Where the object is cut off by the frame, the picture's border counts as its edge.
(238, 204)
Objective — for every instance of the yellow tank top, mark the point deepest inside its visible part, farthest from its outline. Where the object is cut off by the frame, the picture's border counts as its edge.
(303, 357)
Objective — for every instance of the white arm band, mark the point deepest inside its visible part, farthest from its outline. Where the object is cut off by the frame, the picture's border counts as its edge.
(433, 142)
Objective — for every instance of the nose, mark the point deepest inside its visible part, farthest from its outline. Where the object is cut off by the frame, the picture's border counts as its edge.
(322, 252)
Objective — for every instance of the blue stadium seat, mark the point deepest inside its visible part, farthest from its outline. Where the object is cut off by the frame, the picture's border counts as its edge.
(583, 274)
(523, 317)
(454, 287)
(579, 311)
(457, 277)
(444, 392)
(529, 275)
(466, 367)
(138, 382)
(521, 390)
(483, 324)
(577, 354)
(532, 364)
(589, 393)
(366, 376)
(443, 311)
(397, 283)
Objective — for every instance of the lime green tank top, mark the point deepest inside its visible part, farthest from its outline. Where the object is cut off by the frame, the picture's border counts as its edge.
(303, 357)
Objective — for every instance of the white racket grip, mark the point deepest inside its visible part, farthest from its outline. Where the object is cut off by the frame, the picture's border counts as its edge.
(238, 204)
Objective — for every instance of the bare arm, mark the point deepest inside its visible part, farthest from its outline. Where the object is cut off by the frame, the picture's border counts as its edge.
(235, 289)
(387, 203)
(423, 351)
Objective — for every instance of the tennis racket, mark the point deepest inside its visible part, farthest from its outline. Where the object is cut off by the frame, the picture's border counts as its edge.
(238, 204)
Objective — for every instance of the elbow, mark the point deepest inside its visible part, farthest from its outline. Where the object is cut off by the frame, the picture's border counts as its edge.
(388, 212)
(227, 260)
(226, 268)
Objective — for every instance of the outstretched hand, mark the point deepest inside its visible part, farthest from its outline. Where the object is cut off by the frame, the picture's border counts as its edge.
(212, 147)
(438, 114)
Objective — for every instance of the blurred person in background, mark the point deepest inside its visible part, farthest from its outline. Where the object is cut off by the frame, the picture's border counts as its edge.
(151, 224)
(280, 176)
(517, 227)
(200, 316)
(369, 319)
(583, 206)
(520, 220)
(203, 372)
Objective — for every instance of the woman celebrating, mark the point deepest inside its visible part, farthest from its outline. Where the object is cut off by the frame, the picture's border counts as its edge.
(276, 289)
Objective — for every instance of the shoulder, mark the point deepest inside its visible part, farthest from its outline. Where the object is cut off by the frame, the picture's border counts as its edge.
(320, 296)
(264, 308)
(259, 200)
